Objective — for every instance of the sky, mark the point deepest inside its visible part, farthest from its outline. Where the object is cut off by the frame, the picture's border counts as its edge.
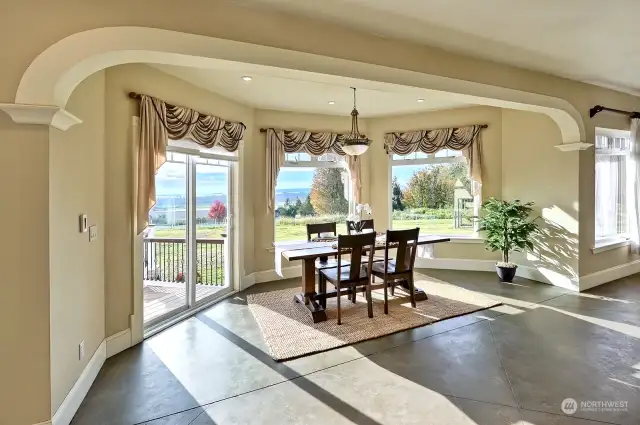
(211, 179)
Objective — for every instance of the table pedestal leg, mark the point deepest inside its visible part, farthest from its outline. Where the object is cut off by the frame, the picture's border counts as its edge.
(419, 294)
(307, 297)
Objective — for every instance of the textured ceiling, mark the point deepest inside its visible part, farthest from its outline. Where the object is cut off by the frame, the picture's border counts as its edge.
(588, 40)
(298, 91)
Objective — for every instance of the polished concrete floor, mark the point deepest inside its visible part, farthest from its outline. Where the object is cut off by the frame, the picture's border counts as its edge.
(514, 364)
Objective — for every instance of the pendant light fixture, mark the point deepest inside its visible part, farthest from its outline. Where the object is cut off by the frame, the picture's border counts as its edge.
(355, 143)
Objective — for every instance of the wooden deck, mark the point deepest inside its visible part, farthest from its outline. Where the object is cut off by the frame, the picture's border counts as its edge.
(163, 297)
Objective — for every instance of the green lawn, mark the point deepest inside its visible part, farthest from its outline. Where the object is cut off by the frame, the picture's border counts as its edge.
(201, 232)
(298, 232)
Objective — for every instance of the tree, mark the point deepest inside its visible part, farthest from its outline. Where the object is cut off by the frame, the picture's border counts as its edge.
(396, 195)
(288, 209)
(298, 206)
(327, 192)
(307, 208)
(218, 211)
(433, 187)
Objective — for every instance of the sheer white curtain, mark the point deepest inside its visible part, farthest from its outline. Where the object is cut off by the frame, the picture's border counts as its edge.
(633, 174)
(610, 194)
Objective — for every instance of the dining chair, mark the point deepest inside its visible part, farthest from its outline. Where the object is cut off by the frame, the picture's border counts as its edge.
(355, 274)
(320, 230)
(368, 224)
(391, 271)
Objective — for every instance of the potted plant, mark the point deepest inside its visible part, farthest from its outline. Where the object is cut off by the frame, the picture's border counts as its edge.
(508, 229)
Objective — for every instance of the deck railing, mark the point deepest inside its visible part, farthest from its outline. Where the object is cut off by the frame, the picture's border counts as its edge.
(165, 259)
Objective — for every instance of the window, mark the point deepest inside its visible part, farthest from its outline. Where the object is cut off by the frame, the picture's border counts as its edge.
(433, 192)
(612, 151)
(311, 190)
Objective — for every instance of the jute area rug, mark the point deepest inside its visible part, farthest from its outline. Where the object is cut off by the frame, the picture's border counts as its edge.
(289, 331)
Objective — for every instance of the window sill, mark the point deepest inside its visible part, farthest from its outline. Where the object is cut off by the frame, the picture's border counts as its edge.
(473, 239)
(610, 244)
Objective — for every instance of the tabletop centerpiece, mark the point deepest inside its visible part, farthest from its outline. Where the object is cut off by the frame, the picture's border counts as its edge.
(356, 220)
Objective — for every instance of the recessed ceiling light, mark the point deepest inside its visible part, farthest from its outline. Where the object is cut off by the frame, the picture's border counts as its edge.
(332, 102)
(420, 100)
(246, 78)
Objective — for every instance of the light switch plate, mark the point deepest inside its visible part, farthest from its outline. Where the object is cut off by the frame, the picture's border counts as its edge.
(81, 350)
(93, 233)
(82, 221)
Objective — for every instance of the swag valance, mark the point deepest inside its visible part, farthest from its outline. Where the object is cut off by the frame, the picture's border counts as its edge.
(466, 139)
(281, 141)
(161, 121)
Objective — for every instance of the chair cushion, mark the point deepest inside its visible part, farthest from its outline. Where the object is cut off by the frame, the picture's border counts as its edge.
(329, 263)
(379, 267)
(332, 274)
(375, 259)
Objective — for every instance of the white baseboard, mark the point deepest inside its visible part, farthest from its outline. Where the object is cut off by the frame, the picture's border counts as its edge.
(607, 275)
(248, 281)
(271, 275)
(72, 402)
(118, 342)
(43, 423)
(455, 264)
(547, 276)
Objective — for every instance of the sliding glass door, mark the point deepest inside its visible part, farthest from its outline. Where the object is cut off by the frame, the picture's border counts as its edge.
(187, 261)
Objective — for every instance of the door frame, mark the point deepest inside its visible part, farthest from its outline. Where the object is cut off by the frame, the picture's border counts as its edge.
(232, 257)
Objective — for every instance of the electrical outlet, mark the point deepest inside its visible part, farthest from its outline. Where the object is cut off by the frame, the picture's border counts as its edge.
(81, 350)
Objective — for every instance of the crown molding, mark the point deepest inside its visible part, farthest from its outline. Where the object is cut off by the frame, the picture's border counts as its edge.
(53, 116)
(578, 146)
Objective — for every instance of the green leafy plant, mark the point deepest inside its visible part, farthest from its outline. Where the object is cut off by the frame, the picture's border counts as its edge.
(508, 227)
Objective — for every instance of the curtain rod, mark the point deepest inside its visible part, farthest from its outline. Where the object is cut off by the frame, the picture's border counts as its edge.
(138, 96)
(599, 108)
(264, 130)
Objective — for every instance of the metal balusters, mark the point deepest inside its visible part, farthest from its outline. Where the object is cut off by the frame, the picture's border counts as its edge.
(164, 259)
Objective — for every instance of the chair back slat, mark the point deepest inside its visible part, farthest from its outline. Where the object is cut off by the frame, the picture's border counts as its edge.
(320, 228)
(357, 244)
(368, 224)
(406, 244)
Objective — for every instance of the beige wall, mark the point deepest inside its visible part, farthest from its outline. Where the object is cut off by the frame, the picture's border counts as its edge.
(24, 261)
(76, 185)
(118, 166)
(534, 170)
(492, 166)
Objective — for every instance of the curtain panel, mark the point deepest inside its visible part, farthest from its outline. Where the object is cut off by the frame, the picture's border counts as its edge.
(281, 141)
(465, 139)
(161, 121)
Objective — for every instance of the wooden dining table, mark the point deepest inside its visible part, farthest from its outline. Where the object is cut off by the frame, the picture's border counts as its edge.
(309, 252)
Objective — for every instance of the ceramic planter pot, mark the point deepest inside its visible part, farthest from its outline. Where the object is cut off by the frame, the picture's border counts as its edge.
(506, 274)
